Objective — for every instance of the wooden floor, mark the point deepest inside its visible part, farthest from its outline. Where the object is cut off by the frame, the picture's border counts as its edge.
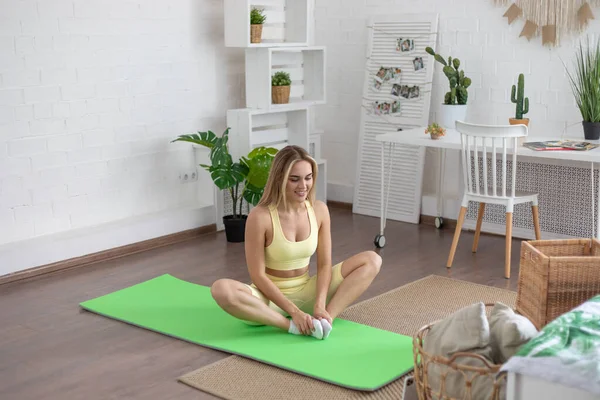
(50, 349)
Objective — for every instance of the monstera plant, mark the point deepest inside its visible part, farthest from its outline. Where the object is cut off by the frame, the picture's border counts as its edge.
(245, 179)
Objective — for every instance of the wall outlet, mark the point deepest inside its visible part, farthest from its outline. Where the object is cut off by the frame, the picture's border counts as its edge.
(190, 175)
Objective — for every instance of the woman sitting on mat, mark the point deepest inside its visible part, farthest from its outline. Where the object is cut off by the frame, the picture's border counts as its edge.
(282, 233)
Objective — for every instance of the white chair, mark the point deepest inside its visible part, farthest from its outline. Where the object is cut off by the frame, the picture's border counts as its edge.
(488, 140)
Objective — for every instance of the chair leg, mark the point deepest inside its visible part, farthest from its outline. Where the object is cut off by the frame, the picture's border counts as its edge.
(507, 254)
(459, 223)
(478, 228)
(536, 222)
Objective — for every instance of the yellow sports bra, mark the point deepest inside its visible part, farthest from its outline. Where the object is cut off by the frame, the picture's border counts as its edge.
(282, 254)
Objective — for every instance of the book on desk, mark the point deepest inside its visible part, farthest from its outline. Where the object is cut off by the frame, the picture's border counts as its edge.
(553, 145)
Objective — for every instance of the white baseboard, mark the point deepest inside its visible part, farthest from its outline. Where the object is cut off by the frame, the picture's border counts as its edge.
(449, 210)
(42, 250)
(341, 192)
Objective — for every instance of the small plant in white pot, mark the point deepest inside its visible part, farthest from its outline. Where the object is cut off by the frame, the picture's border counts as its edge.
(280, 87)
(455, 101)
(257, 19)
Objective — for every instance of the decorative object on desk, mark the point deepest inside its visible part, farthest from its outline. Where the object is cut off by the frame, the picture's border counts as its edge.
(435, 131)
(257, 19)
(251, 172)
(455, 101)
(522, 103)
(280, 87)
(553, 145)
(585, 83)
(556, 18)
(405, 45)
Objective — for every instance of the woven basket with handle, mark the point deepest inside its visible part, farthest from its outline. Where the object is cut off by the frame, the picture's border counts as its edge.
(454, 367)
(556, 276)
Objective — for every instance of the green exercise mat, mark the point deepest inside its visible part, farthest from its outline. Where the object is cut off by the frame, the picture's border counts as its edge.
(355, 356)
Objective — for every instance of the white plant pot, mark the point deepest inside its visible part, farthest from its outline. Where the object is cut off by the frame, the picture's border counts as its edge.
(449, 114)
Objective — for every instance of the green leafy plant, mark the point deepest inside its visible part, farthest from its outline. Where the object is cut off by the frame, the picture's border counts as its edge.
(585, 82)
(459, 83)
(250, 172)
(257, 17)
(516, 96)
(281, 78)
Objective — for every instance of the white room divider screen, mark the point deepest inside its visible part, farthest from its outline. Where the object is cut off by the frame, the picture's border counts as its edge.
(396, 95)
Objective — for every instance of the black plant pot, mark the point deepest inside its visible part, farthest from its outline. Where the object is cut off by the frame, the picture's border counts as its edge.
(235, 228)
(591, 130)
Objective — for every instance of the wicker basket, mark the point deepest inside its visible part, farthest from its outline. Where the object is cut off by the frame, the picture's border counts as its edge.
(280, 94)
(256, 33)
(468, 374)
(556, 276)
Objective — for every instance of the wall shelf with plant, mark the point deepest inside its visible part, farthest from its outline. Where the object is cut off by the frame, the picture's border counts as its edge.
(286, 22)
(304, 66)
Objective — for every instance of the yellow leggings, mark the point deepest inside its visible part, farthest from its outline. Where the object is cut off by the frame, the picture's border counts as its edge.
(301, 290)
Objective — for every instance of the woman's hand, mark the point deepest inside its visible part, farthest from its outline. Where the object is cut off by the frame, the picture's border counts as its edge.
(303, 322)
(321, 313)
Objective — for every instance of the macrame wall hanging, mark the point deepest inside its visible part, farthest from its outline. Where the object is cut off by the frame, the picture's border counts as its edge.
(553, 19)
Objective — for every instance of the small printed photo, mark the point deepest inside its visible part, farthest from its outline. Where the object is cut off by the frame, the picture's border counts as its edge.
(396, 90)
(418, 63)
(405, 91)
(376, 83)
(382, 73)
(405, 45)
(414, 92)
(396, 71)
(396, 107)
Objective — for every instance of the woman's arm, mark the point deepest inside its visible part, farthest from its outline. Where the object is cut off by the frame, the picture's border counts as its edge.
(256, 227)
(323, 254)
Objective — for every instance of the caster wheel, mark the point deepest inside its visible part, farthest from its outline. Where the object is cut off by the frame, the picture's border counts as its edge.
(439, 222)
(379, 241)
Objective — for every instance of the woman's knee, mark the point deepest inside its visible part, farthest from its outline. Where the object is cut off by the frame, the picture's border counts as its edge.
(223, 292)
(373, 262)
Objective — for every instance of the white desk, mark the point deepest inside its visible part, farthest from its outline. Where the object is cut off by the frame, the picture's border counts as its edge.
(417, 137)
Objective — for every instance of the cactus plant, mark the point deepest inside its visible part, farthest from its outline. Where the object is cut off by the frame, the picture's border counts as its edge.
(459, 83)
(522, 107)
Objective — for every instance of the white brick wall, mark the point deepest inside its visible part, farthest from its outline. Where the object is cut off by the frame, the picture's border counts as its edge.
(91, 94)
(474, 31)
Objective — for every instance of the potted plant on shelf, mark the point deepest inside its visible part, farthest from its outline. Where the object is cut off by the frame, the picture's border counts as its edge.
(454, 107)
(280, 87)
(435, 131)
(257, 19)
(250, 172)
(522, 104)
(585, 83)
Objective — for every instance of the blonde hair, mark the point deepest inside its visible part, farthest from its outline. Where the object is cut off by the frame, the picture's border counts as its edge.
(283, 163)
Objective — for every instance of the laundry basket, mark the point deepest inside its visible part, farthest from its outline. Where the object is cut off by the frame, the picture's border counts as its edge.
(556, 276)
(438, 377)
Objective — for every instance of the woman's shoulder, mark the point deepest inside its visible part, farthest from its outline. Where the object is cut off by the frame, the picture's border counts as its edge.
(259, 215)
(321, 209)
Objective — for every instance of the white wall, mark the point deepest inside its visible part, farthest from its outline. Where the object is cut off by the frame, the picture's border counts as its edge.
(491, 53)
(91, 93)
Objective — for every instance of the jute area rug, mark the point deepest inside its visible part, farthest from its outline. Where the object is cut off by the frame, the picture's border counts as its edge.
(403, 310)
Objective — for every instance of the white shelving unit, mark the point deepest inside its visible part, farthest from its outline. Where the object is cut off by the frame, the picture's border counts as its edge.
(286, 46)
(306, 66)
(250, 128)
(287, 22)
